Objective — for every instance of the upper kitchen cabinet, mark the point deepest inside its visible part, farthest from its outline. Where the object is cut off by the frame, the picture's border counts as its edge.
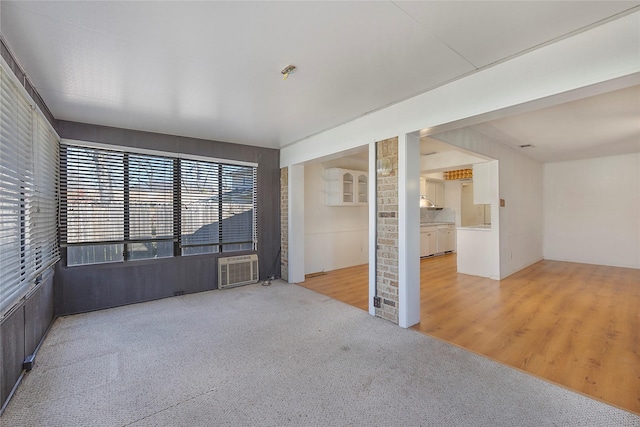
(344, 187)
(363, 185)
(434, 190)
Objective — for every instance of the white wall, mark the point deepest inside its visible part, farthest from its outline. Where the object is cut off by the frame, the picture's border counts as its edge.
(592, 211)
(470, 214)
(295, 267)
(453, 199)
(335, 236)
(520, 184)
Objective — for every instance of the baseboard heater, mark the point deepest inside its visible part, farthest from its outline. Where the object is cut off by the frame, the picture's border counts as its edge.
(237, 271)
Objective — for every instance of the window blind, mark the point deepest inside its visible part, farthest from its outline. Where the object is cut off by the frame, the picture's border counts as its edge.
(28, 193)
(218, 207)
(119, 206)
(13, 153)
(47, 178)
(200, 207)
(116, 205)
(149, 206)
(92, 199)
(238, 206)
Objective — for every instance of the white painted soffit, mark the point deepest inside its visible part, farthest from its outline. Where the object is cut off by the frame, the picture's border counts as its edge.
(605, 53)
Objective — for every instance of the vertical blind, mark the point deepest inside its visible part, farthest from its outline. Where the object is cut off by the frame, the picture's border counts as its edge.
(118, 205)
(28, 193)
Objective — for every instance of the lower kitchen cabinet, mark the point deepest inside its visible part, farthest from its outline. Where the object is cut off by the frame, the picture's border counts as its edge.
(428, 241)
(446, 238)
(437, 239)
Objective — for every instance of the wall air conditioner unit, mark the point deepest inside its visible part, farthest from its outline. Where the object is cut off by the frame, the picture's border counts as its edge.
(237, 270)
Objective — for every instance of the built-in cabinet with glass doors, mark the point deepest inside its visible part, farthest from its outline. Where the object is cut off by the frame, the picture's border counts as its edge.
(345, 187)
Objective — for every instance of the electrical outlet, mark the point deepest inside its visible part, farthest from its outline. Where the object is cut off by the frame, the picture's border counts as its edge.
(376, 302)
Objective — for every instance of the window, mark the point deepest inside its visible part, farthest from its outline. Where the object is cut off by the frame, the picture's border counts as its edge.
(92, 205)
(119, 206)
(237, 208)
(200, 207)
(218, 207)
(115, 205)
(28, 193)
(150, 206)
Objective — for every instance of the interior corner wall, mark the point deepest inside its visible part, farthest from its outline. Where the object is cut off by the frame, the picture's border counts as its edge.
(592, 211)
(520, 185)
(93, 287)
(335, 236)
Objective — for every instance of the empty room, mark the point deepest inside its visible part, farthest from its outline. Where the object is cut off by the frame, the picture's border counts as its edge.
(319, 213)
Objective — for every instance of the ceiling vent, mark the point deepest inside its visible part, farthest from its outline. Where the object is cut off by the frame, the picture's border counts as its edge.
(287, 70)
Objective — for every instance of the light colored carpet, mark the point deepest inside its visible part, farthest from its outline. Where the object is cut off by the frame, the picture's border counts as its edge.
(275, 356)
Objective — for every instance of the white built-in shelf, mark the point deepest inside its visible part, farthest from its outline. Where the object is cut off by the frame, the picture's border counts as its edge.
(345, 187)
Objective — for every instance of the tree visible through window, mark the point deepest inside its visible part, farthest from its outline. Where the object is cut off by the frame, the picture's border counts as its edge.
(150, 207)
(218, 207)
(92, 205)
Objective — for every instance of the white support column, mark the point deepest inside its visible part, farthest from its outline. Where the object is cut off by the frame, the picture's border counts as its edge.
(296, 223)
(372, 225)
(408, 230)
(494, 179)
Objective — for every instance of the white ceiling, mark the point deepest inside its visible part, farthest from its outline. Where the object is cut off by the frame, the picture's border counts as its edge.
(602, 125)
(438, 156)
(212, 69)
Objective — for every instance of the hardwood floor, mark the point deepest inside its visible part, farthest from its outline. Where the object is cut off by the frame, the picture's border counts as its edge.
(574, 324)
(349, 285)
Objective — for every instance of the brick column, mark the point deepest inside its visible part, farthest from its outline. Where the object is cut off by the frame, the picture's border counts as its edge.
(387, 232)
(284, 223)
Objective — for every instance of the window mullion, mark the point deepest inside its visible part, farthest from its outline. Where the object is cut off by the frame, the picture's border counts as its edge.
(177, 207)
(127, 207)
(220, 239)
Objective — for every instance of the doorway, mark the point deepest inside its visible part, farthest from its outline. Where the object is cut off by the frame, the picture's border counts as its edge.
(336, 229)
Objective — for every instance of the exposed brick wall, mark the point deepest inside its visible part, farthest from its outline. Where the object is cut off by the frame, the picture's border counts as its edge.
(387, 233)
(284, 223)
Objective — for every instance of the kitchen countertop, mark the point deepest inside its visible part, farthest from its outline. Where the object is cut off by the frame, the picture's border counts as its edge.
(478, 227)
(430, 224)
